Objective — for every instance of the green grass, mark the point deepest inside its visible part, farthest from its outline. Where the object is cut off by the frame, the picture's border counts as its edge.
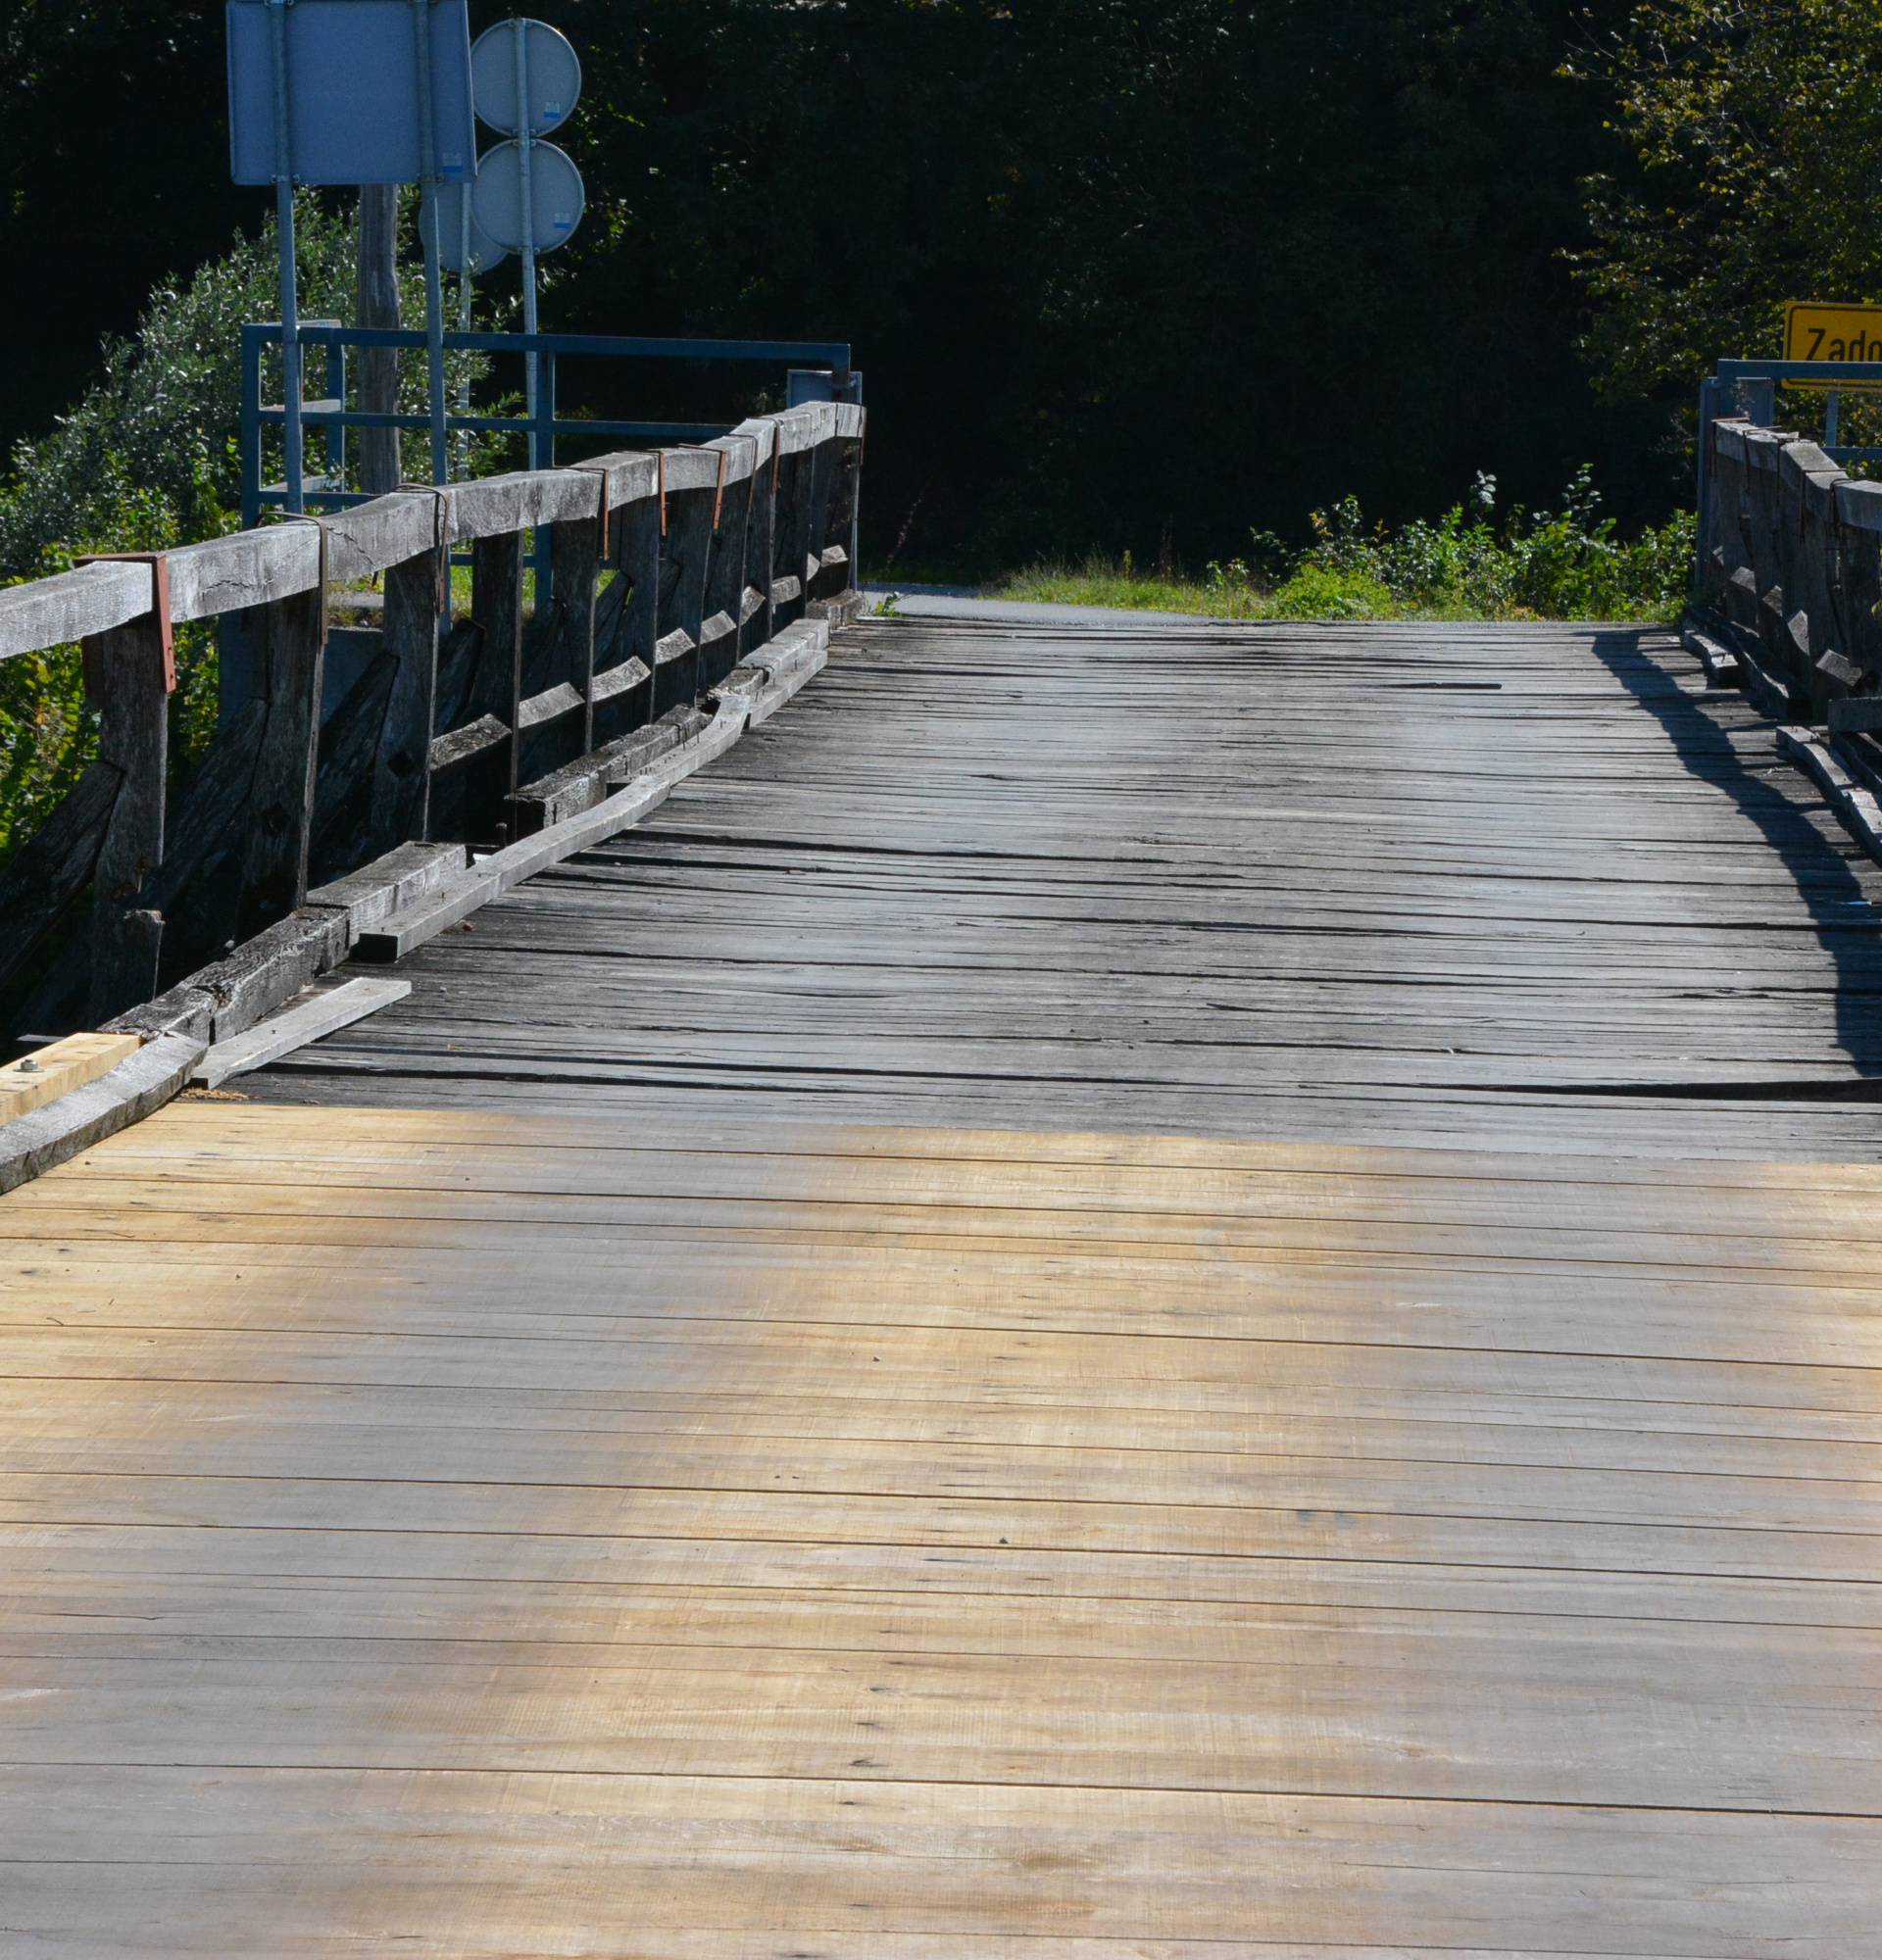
(1104, 583)
(1310, 592)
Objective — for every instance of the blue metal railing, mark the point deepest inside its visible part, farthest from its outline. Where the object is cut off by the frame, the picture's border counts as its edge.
(818, 367)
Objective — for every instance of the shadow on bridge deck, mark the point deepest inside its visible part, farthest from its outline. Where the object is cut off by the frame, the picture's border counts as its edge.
(1728, 751)
(1116, 1299)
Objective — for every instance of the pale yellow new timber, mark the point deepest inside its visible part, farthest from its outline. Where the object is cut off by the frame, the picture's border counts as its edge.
(474, 1536)
(50, 1072)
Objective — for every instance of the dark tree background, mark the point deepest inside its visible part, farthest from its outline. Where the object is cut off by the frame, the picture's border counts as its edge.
(1116, 271)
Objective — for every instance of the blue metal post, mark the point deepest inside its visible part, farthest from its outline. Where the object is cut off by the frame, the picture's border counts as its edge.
(289, 278)
(254, 339)
(526, 193)
(429, 237)
(337, 429)
(542, 433)
(542, 456)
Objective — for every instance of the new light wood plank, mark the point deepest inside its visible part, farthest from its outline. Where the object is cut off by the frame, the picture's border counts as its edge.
(55, 1070)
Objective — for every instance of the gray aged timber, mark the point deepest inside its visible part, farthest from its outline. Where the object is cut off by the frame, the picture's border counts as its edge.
(1523, 886)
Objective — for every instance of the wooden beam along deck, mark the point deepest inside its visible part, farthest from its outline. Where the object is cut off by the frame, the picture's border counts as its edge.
(1142, 1293)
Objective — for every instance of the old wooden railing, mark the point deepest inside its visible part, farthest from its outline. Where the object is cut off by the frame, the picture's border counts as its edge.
(478, 724)
(1790, 570)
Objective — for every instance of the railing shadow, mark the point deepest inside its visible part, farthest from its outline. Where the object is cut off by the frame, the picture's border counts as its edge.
(1847, 928)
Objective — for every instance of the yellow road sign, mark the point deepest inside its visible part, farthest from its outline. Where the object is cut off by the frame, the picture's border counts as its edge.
(1820, 330)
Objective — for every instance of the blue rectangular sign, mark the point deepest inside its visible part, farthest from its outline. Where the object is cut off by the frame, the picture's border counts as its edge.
(352, 91)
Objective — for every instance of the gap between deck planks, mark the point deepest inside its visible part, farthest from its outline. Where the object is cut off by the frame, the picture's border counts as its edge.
(902, 1544)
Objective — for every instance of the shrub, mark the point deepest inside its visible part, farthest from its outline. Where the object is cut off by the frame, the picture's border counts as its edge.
(1570, 564)
(146, 459)
(1328, 592)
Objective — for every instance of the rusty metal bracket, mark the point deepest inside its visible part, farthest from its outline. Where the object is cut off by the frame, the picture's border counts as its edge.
(159, 563)
(738, 435)
(604, 510)
(440, 540)
(719, 489)
(325, 574)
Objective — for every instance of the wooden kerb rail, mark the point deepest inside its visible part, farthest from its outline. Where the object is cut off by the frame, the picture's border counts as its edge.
(346, 796)
(1788, 590)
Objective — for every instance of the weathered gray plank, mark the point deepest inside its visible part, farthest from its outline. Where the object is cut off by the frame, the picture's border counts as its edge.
(553, 704)
(644, 790)
(491, 506)
(630, 674)
(1486, 912)
(402, 874)
(54, 866)
(417, 598)
(631, 476)
(496, 605)
(584, 783)
(626, 619)
(71, 606)
(245, 569)
(127, 682)
(475, 737)
(292, 641)
(295, 1027)
(685, 553)
(554, 721)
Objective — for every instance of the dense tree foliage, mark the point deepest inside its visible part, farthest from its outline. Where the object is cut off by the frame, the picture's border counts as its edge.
(1758, 129)
(1113, 268)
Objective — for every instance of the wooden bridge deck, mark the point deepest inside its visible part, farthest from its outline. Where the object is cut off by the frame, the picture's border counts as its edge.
(1138, 1296)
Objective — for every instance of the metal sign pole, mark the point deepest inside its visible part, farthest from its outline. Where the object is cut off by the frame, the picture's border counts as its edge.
(526, 137)
(290, 284)
(428, 235)
(464, 322)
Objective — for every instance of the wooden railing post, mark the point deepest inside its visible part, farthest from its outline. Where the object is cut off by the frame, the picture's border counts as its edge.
(128, 678)
(823, 492)
(559, 654)
(629, 620)
(1725, 551)
(761, 519)
(726, 580)
(575, 550)
(1765, 519)
(683, 555)
(417, 601)
(840, 526)
(292, 644)
(1722, 492)
(496, 688)
(790, 534)
(1811, 573)
(1858, 536)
